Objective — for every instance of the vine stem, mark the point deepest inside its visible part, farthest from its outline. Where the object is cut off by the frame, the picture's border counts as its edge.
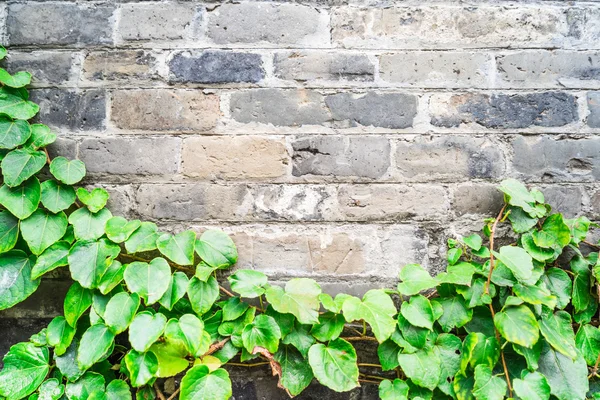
(359, 338)
(160, 394)
(175, 393)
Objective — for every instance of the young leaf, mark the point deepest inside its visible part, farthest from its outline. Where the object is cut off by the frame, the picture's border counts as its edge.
(334, 365)
(201, 384)
(94, 200)
(89, 383)
(119, 230)
(396, 390)
(51, 389)
(68, 172)
(87, 225)
(171, 358)
(477, 350)
(23, 200)
(112, 277)
(300, 298)
(57, 197)
(143, 238)
(262, 332)
(248, 283)
(188, 330)
(25, 367)
(41, 136)
(178, 285)
(15, 278)
(178, 248)
(95, 343)
(21, 164)
(120, 310)
(376, 308)
(118, 390)
(203, 294)
(330, 327)
(216, 249)
(42, 229)
(532, 387)
(414, 279)
(473, 241)
(77, 301)
(150, 281)
(145, 330)
(141, 366)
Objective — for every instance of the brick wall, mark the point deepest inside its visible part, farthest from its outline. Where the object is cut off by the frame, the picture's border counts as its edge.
(336, 139)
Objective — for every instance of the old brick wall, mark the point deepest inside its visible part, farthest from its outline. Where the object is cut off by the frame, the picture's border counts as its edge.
(336, 139)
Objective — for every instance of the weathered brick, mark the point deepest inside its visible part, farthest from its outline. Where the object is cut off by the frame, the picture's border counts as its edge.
(448, 158)
(60, 24)
(547, 69)
(71, 109)
(279, 107)
(269, 23)
(323, 66)
(63, 147)
(362, 157)
(213, 66)
(547, 159)
(291, 203)
(145, 156)
(120, 65)
(593, 102)
(234, 157)
(503, 111)
(385, 110)
(477, 198)
(161, 109)
(52, 67)
(564, 199)
(437, 69)
(595, 203)
(155, 21)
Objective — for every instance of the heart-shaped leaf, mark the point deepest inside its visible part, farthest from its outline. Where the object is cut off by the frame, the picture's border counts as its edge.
(178, 248)
(22, 200)
(41, 136)
(9, 231)
(517, 260)
(42, 229)
(51, 389)
(216, 249)
(414, 279)
(418, 311)
(21, 164)
(145, 330)
(89, 260)
(201, 384)
(558, 331)
(171, 358)
(150, 281)
(87, 225)
(334, 365)
(77, 301)
(248, 283)
(119, 230)
(13, 133)
(262, 332)
(15, 278)
(16, 107)
(112, 277)
(300, 298)
(422, 367)
(60, 335)
(95, 343)
(532, 387)
(25, 367)
(487, 385)
(143, 239)
(68, 172)
(90, 382)
(177, 288)
(396, 390)
(57, 197)
(376, 308)
(17, 80)
(296, 373)
(55, 256)
(94, 200)
(118, 390)
(141, 366)
(120, 311)
(203, 294)
(517, 324)
(189, 331)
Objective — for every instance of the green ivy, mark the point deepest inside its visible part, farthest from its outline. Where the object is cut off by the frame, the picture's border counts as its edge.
(516, 319)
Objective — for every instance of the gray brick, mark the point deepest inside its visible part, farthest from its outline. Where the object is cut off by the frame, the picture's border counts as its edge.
(72, 109)
(437, 69)
(279, 107)
(323, 66)
(593, 102)
(595, 203)
(121, 201)
(63, 147)
(477, 198)
(547, 159)
(60, 24)
(564, 199)
(291, 203)
(120, 65)
(448, 158)
(145, 156)
(386, 110)
(362, 157)
(503, 111)
(156, 21)
(269, 23)
(47, 67)
(216, 67)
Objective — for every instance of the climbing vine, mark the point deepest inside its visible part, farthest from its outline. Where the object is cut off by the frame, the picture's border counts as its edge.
(513, 315)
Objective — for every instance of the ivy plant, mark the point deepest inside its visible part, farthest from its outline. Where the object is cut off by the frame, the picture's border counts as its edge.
(512, 316)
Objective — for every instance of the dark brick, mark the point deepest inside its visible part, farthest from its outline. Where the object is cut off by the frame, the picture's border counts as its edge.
(72, 109)
(15, 330)
(593, 101)
(475, 198)
(564, 199)
(216, 67)
(45, 66)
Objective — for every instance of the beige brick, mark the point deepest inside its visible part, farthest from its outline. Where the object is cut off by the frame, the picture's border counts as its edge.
(165, 110)
(119, 65)
(156, 21)
(234, 157)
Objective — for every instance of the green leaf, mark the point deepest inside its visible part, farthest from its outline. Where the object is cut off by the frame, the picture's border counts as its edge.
(41, 136)
(422, 367)
(201, 384)
(535, 295)
(25, 367)
(13, 133)
(296, 373)
(141, 366)
(189, 330)
(204, 271)
(473, 241)
(118, 390)
(377, 309)
(95, 342)
(178, 248)
(477, 350)
(334, 365)
(248, 283)
(418, 312)
(558, 331)
(119, 230)
(203, 294)
(9, 231)
(67, 364)
(531, 355)
(68, 172)
(559, 284)
(456, 314)
(94, 200)
(396, 390)
(448, 348)
(120, 310)
(177, 288)
(171, 358)
(300, 338)
(87, 225)
(17, 108)
(60, 335)
(588, 342)
(216, 249)
(330, 327)
(21, 201)
(458, 274)
(142, 239)
(463, 386)
(21, 164)
(517, 324)
(234, 308)
(150, 281)
(415, 336)
(521, 221)
(567, 378)
(89, 261)
(42, 229)
(581, 283)
(112, 277)
(17, 80)
(262, 332)
(300, 298)
(454, 255)
(517, 194)
(532, 387)
(77, 301)
(487, 386)
(51, 389)
(517, 260)
(556, 234)
(388, 355)
(414, 279)
(15, 278)
(57, 197)
(145, 330)
(89, 383)
(537, 253)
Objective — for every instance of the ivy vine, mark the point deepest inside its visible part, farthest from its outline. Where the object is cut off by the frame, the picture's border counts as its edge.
(515, 320)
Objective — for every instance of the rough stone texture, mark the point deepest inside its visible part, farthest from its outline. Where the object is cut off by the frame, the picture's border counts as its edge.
(154, 21)
(71, 109)
(478, 199)
(169, 110)
(120, 66)
(565, 199)
(593, 101)
(216, 67)
(319, 66)
(47, 67)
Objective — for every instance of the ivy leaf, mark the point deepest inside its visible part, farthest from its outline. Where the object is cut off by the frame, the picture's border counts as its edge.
(171, 358)
(94, 200)
(87, 225)
(89, 261)
(473, 241)
(53, 257)
(559, 284)
(67, 364)
(201, 384)
(68, 172)
(418, 311)
(388, 354)
(15, 278)
(112, 277)
(248, 283)
(204, 271)
(517, 260)
(414, 279)
(51, 389)
(448, 348)
(477, 350)
(531, 355)
(216, 249)
(203, 294)
(21, 164)
(142, 239)
(588, 342)
(300, 338)
(535, 295)
(454, 255)
(17, 80)
(581, 283)
(120, 310)
(415, 336)
(41, 136)
(13, 133)
(188, 330)
(376, 308)
(422, 367)
(458, 274)
(285, 321)
(119, 230)
(177, 288)
(77, 301)
(42, 229)
(456, 314)
(150, 281)
(517, 194)
(567, 378)
(330, 327)
(300, 298)
(141, 366)
(334, 365)
(25, 367)
(23, 200)
(57, 197)
(9, 231)
(145, 330)
(556, 234)
(234, 308)
(487, 386)
(262, 332)
(396, 390)
(463, 386)
(558, 331)
(296, 373)
(118, 390)
(532, 387)
(178, 248)
(520, 220)
(517, 324)
(537, 253)
(95, 343)
(89, 383)
(17, 108)
(59, 335)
